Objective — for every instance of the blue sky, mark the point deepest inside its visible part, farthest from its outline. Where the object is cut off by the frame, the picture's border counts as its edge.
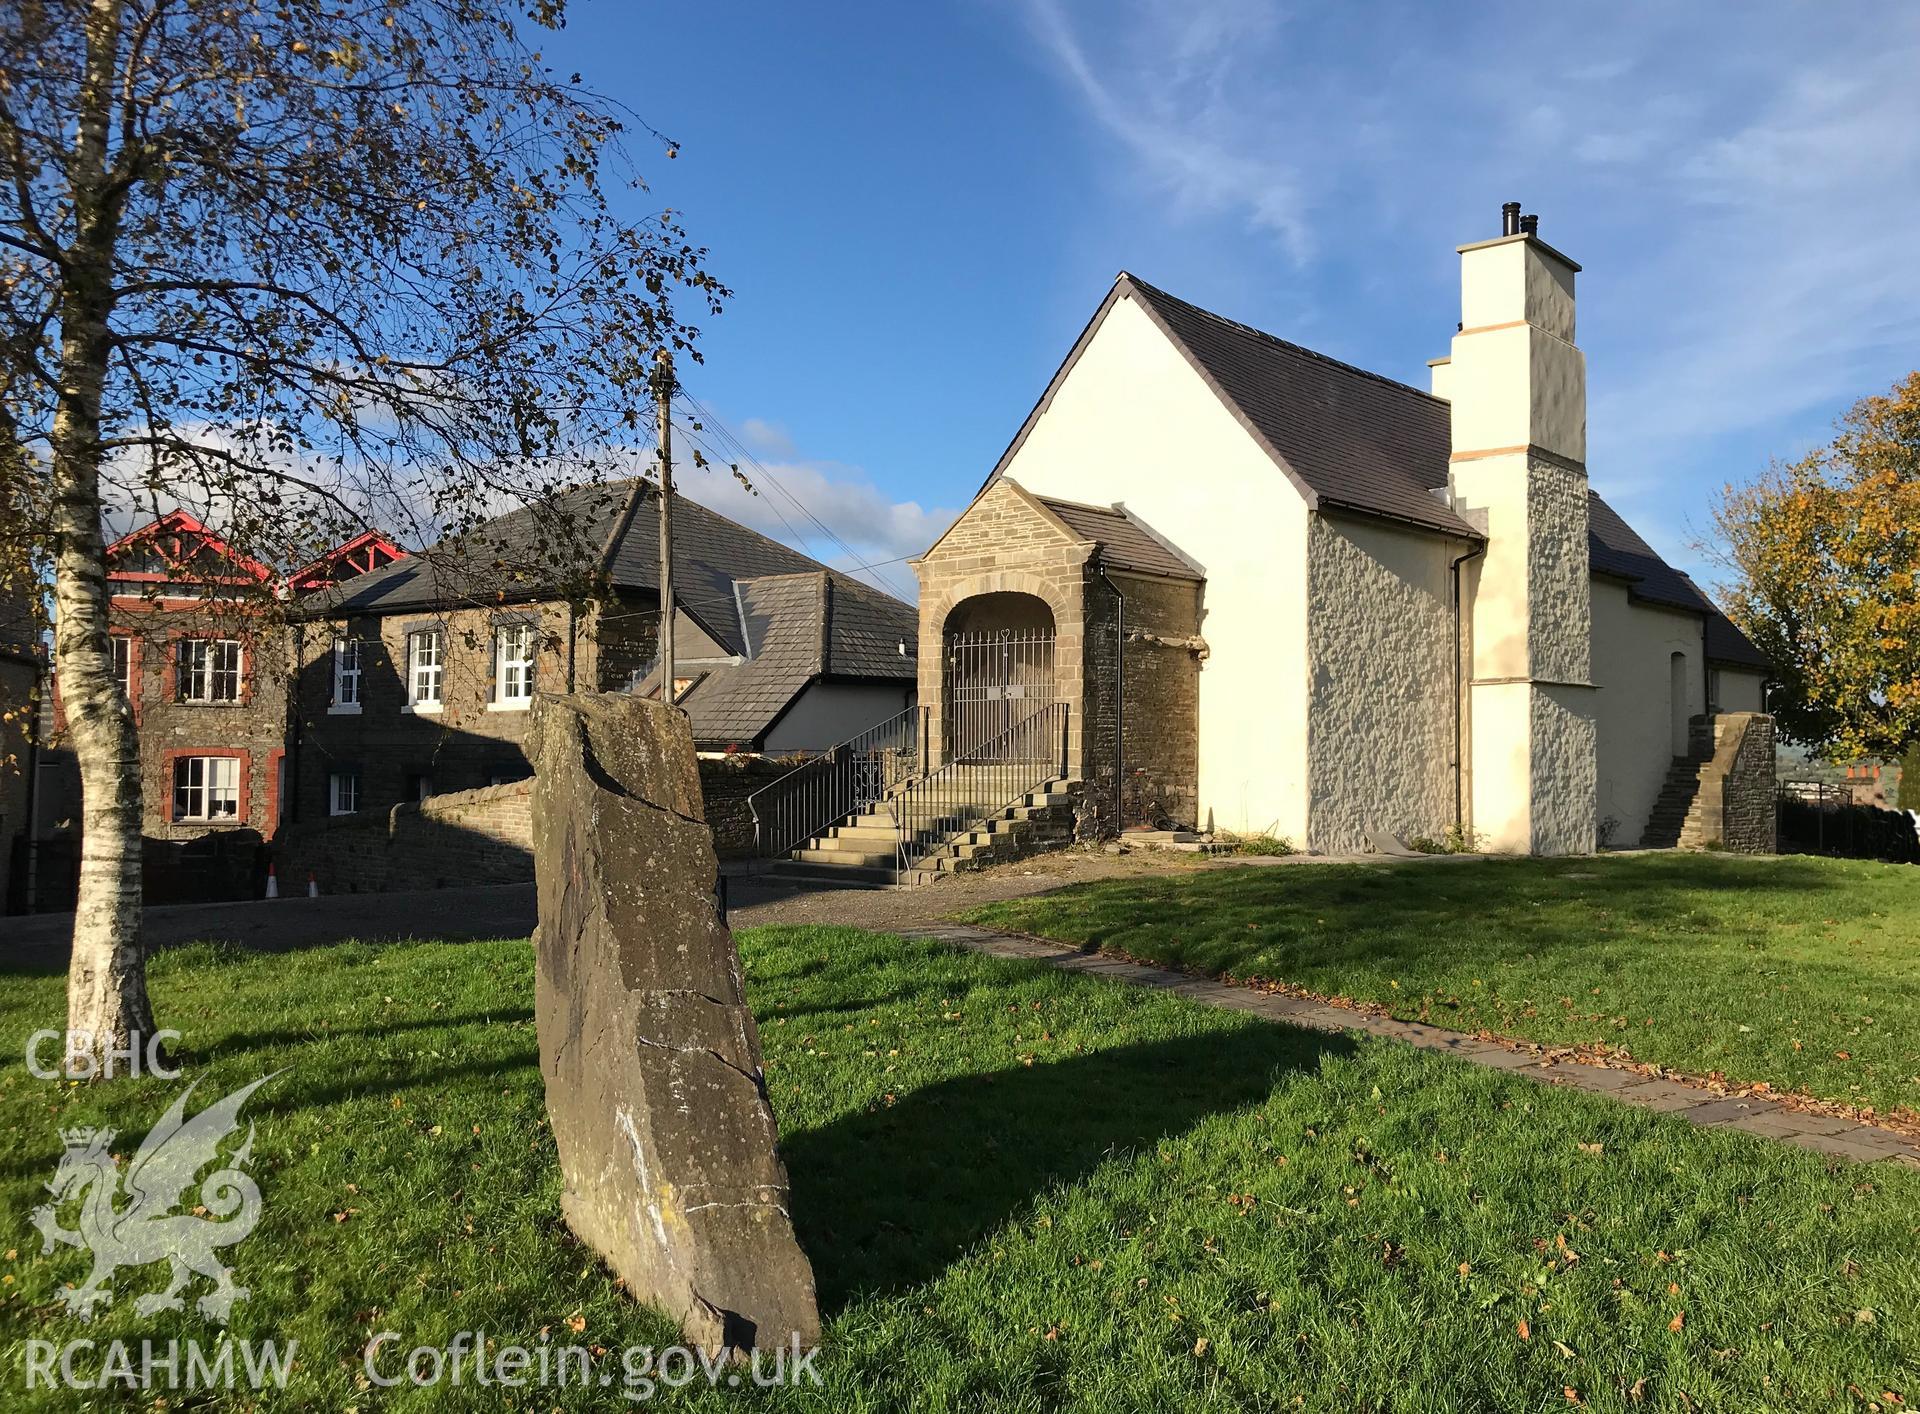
(919, 205)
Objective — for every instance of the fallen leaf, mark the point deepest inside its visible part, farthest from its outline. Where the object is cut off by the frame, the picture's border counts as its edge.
(1200, 1346)
(1465, 1267)
(1679, 1320)
(1566, 1351)
(1572, 1394)
(576, 1323)
(1526, 1331)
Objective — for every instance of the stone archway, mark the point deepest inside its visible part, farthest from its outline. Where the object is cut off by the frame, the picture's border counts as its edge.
(997, 668)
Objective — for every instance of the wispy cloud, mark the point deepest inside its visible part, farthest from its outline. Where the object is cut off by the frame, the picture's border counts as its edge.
(824, 508)
(1168, 99)
(1742, 186)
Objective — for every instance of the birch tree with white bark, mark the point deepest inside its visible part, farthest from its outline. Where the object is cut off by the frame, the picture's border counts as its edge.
(305, 267)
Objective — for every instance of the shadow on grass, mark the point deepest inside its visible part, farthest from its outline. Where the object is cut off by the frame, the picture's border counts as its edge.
(1361, 913)
(889, 1197)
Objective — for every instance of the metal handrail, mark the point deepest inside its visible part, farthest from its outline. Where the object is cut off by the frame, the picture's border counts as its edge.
(988, 778)
(845, 779)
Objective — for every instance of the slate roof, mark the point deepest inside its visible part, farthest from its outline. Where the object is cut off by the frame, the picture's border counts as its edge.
(801, 627)
(1353, 439)
(1614, 549)
(613, 526)
(1345, 436)
(1125, 542)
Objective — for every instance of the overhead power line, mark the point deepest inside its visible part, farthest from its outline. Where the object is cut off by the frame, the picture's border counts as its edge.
(741, 453)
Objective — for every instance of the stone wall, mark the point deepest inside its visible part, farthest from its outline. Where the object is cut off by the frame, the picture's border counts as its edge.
(1161, 652)
(479, 836)
(1736, 808)
(725, 784)
(396, 750)
(465, 837)
(251, 730)
(1006, 543)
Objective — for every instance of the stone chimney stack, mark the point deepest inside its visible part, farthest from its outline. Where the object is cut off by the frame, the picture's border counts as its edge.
(1518, 386)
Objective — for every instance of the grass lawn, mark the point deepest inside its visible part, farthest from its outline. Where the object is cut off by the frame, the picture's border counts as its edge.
(1801, 972)
(1020, 1189)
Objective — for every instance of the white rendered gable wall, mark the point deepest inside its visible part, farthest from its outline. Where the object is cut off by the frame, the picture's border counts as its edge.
(1133, 422)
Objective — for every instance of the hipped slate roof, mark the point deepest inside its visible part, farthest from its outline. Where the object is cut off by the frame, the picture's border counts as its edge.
(801, 628)
(613, 527)
(1353, 440)
(1125, 543)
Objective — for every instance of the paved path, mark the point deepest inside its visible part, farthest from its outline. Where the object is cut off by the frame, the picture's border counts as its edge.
(1844, 1138)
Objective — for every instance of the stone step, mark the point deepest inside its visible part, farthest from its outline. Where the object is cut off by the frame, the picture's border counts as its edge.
(846, 858)
(835, 875)
(852, 835)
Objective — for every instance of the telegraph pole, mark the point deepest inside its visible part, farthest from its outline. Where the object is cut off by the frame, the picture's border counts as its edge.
(663, 394)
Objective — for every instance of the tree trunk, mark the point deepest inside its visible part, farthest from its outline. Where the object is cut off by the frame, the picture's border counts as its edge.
(107, 978)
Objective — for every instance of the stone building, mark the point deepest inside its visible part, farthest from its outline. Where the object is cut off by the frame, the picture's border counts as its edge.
(201, 654)
(22, 661)
(414, 680)
(1280, 594)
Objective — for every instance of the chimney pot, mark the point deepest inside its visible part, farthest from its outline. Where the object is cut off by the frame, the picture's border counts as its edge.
(1530, 225)
(1510, 219)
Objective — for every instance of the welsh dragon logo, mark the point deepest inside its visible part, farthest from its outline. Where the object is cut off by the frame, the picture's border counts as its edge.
(146, 1228)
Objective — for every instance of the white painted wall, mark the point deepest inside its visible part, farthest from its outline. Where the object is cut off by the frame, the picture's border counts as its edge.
(1633, 645)
(1742, 691)
(1380, 640)
(828, 713)
(1134, 422)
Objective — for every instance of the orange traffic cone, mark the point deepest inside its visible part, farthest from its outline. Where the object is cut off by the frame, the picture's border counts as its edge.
(273, 884)
(313, 886)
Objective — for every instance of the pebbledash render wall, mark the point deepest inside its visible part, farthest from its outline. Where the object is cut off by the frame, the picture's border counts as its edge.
(1380, 683)
(1516, 383)
(1133, 422)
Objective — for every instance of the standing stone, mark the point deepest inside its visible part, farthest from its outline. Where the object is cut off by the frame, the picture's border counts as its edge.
(651, 1057)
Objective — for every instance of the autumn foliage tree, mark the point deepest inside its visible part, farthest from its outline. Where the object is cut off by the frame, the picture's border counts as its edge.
(1825, 561)
(305, 267)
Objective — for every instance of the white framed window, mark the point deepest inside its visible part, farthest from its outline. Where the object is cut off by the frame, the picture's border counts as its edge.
(206, 788)
(343, 792)
(346, 675)
(426, 669)
(207, 669)
(513, 666)
(123, 664)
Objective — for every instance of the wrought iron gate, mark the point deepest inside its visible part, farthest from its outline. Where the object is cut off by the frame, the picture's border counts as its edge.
(995, 678)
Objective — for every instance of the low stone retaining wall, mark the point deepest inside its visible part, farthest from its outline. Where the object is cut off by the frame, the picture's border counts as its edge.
(480, 836)
(725, 784)
(1736, 806)
(465, 837)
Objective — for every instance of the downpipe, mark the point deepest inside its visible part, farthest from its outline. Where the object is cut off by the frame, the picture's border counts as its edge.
(1459, 687)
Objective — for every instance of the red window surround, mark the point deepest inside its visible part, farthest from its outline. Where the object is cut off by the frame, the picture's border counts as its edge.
(244, 789)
